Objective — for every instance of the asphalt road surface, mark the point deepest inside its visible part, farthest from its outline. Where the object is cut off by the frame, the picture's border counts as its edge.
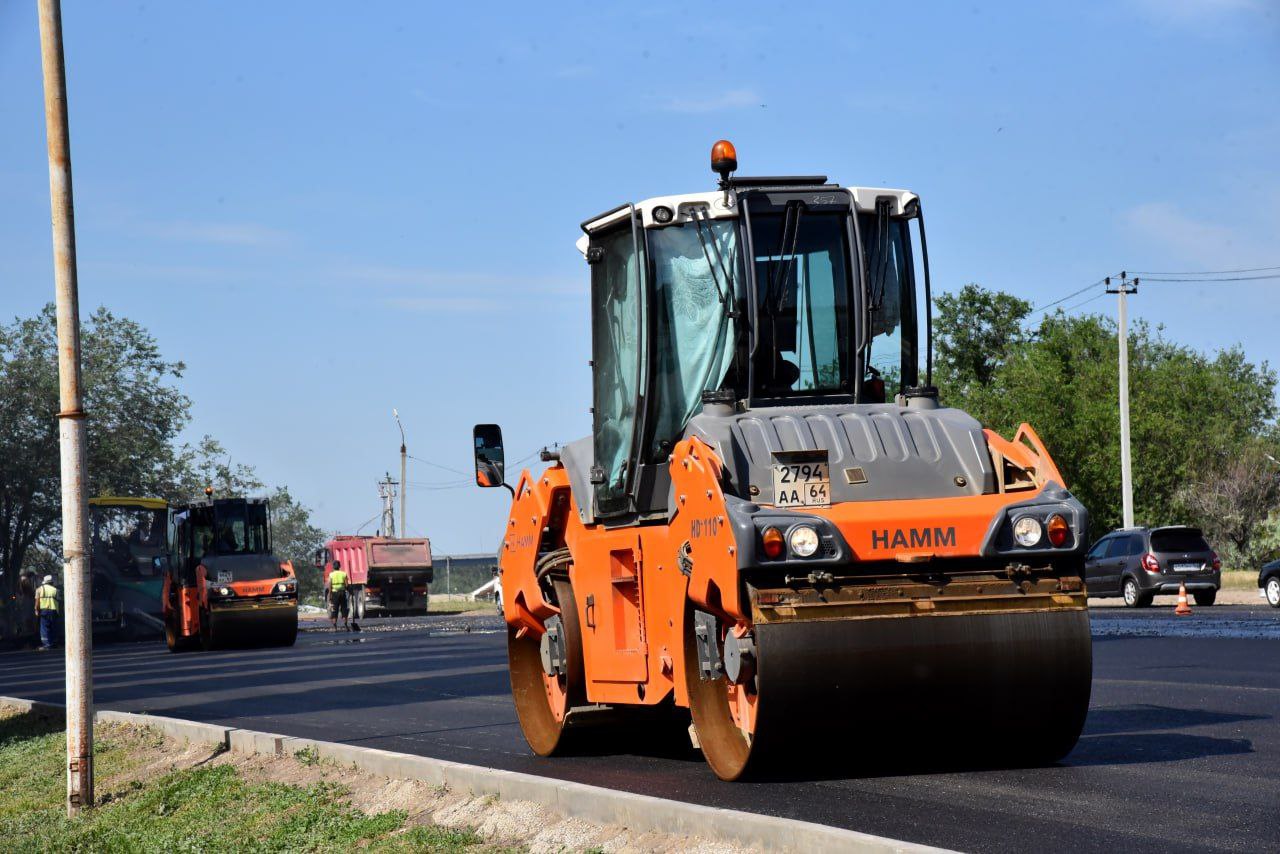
(1181, 750)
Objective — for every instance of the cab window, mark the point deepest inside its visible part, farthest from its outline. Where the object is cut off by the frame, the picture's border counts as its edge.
(617, 345)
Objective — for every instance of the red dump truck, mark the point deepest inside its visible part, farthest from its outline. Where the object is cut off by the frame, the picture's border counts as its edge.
(385, 576)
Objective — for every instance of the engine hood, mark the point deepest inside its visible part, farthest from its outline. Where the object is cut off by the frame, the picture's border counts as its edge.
(233, 568)
(876, 452)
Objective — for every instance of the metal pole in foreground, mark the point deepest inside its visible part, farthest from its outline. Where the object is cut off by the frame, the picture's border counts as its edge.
(404, 484)
(1126, 465)
(71, 426)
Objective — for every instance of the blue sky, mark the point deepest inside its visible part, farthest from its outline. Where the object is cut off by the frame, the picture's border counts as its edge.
(330, 210)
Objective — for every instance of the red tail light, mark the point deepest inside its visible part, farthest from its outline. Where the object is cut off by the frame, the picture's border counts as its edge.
(1217, 561)
(1150, 564)
(772, 541)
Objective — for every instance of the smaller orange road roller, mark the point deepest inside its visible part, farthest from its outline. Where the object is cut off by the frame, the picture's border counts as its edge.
(222, 585)
(775, 523)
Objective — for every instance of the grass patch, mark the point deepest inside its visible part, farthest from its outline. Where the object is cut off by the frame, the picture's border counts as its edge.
(205, 808)
(455, 607)
(1239, 579)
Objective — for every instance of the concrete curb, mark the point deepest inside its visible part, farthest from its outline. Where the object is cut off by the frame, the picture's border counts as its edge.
(597, 804)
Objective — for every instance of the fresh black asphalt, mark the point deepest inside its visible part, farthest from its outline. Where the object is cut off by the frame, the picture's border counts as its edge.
(1181, 750)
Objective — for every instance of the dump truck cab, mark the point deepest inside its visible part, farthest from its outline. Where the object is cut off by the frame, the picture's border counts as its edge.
(129, 540)
(223, 586)
(774, 512)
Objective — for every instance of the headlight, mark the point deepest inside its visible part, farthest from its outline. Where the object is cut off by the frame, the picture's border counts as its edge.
(1027, 531)
(804, 541)
(224, 591)
(285, 586)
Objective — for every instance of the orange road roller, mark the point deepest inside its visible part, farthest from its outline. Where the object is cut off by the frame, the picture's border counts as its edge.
(222, 585)
(775, 523)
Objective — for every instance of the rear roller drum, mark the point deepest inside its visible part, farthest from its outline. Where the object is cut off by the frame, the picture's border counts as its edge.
(543, 699)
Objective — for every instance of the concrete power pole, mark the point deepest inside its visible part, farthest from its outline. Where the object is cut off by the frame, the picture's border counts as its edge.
(1123, 289)
(387, 492)
(71, 427)
(404, 484)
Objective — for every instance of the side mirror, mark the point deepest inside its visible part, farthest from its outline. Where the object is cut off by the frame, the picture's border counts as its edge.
(321, 558)
(490, 462)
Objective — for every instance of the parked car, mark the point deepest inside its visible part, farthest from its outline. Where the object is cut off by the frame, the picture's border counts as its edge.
(1269, 583)
(1139, 563)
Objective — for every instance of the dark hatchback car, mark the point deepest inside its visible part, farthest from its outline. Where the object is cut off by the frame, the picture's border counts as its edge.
(1269, 583)
(1139, 563)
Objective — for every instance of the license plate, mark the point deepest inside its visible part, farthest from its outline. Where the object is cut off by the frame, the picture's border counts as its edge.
(224, 577)
(801, 481)
(1187, 567)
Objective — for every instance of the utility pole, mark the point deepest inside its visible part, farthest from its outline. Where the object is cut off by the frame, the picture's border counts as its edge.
(387, 492)
(1123, 288)
(71, 427)
(404, 484)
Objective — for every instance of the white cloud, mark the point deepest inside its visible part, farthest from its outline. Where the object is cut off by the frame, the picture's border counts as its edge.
(436, 280)
(734, 99)
(458, 305)
(1168, 233)
(221, 233)
(1194, 11)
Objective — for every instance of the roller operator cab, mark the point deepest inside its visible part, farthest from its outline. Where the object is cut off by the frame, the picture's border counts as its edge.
(222, 585)
(774, 522)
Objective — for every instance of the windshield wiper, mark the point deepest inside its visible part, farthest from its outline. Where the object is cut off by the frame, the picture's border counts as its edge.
(883, 245)
(782, 271)
(724, 292)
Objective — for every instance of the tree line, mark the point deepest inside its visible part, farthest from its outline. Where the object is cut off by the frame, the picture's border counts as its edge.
(136, 415)
(1205, 444)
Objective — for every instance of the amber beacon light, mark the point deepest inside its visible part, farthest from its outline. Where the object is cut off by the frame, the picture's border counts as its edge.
(724, 159)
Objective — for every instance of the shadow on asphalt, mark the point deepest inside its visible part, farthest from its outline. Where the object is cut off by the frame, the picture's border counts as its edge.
(1144, 718)
(1145, 748)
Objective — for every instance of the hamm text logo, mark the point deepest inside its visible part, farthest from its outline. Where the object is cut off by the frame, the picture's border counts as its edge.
(913, 538)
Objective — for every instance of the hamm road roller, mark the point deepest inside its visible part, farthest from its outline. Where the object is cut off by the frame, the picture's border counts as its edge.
(774, 522)
(222, 585)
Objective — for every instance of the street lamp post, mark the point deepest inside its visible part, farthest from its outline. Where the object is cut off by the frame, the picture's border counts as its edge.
(404, 484)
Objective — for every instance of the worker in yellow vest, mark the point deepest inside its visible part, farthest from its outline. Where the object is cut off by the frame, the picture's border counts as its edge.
(336, 591)
(48, 605)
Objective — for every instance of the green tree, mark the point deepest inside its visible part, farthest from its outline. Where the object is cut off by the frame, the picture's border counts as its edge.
(134, 415)
(1188, 410)
(208, 465)
(976, 330)
(295, 539)
(1234, 498)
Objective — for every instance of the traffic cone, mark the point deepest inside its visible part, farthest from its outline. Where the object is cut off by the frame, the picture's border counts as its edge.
(1184, 607)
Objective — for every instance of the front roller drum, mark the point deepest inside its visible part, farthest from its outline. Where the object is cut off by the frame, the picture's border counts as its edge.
(220, 629)
(999, 689)
(543, 699)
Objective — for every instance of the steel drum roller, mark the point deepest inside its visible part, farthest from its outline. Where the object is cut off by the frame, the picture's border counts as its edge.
(1009, 686)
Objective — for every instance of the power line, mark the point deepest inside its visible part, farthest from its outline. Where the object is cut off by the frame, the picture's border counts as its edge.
(1213, 281)
(1071, 308)
(1203, 272)
(1047, 306)
(435, 465)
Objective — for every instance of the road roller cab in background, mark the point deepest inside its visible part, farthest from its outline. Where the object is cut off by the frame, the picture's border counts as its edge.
(385, 576)
(223, 586)
(774, 522)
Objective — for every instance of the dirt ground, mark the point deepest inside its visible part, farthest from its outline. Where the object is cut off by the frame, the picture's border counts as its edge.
(506, 824)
